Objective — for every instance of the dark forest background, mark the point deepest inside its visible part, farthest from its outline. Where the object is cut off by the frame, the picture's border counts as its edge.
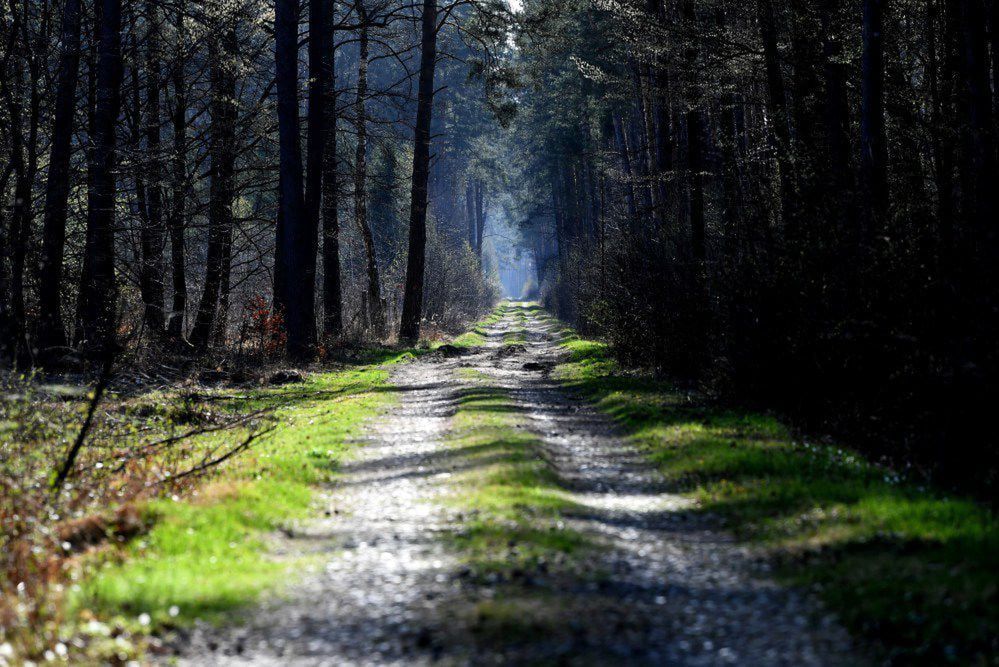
(793, 203)
(790, 204)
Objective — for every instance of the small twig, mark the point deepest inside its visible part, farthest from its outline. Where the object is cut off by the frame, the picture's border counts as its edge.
(102, 384)
(205, 465)
(145, 449)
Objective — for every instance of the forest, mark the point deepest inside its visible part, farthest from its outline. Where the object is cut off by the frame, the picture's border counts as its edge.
(753, 244)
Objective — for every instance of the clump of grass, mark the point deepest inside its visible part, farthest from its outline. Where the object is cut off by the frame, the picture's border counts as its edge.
(909, 567)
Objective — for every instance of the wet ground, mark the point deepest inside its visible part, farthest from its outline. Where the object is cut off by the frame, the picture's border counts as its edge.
(673, 587)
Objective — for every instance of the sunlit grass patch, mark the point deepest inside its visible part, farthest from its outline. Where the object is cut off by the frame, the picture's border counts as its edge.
(476, 336)
(206, 554)
(511, 500)
(908, 566)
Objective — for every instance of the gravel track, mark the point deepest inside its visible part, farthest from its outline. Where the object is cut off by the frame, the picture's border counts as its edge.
(674, 589)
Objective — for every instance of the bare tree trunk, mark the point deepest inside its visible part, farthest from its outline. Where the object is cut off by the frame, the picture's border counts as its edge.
(941, 89)
(480, 217)
(361, 179)
(412, 305)
(177, 218)
(837, 115)
(295, 295)
(332, 290)
(629, 188)
(695, 131)
(151, 276)
(777, 108)
(96, 310)
(873, 138)
(51, 332)
(470, 213)
(222, 186)
(979, 149)
(25, 161)
(316, 130)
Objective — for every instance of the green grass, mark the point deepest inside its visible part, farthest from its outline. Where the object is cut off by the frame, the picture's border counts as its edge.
(513, 538)
(912, 569)
(207, 555)
(476, 336)
(511, 500)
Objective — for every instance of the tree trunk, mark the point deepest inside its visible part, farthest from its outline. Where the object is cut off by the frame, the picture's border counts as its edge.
(480, 218)
(941, 90)
(295, 295)
(629, 186)
(412, 305)
(316, 129)
(221, 188)
(151, 276)
(777, 108)
(332, 290)
(837, 111)
(470, 213)
(51, 332)
(25, 161)
(695, 131)
(873, 139)
(98, 289)
(979, 141)
(994, 38)
(377, 314)
(177, 219)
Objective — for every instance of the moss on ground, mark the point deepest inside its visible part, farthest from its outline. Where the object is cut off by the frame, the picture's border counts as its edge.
(910, 568)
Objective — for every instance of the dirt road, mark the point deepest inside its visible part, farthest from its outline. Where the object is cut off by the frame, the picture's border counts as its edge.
(671, 588)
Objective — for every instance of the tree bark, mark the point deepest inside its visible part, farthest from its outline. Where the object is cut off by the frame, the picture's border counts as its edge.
(25, 161)
(695, 131)
(316, 129)
(412, 305)
(177, 218)
(480, 217)
(470, 213)
(222, 186)
(151, 276)
(777, 109)
(295, 294)
(51, 332)
(376, 312)
(98, 288)
(873, 139)
(979, 160)
(837, 111)
(332, 290)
